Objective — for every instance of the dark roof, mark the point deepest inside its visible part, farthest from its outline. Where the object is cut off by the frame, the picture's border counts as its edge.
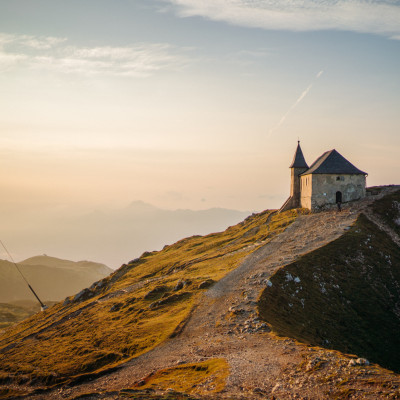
(298, 159)
(332, 162)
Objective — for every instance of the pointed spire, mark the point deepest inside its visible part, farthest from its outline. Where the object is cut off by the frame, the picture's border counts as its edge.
(298, 159)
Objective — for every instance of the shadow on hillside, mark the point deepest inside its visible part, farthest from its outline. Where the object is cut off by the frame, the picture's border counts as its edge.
(343, 296)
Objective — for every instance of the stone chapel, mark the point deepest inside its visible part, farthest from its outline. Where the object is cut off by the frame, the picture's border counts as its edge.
(329, 180)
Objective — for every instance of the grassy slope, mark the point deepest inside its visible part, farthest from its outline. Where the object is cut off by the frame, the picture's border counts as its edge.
(124, 316)
(11, 314)
(344, 296)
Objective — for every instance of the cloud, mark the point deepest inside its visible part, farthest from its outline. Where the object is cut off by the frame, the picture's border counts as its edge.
(249, 57)
(372, 16)
(41, 43)
(28, 41)
(7, 61)
(51, 53)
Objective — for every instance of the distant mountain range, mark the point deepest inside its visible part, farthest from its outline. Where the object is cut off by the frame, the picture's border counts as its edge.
(52, 278)
(112, 237)
(125, 234)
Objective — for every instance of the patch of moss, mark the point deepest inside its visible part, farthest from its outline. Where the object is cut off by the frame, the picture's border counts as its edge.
(195, 378)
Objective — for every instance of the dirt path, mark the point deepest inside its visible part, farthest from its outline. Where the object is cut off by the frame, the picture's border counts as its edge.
(225, 324)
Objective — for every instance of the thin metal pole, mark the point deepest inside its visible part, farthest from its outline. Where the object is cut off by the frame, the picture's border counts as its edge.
(43, 306)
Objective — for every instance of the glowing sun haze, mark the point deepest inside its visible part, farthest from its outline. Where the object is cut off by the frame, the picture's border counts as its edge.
(189, 103)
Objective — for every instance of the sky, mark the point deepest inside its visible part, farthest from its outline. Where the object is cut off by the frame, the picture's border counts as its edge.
(190, 103)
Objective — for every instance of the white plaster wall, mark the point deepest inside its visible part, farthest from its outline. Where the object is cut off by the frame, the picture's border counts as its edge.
(306, 191)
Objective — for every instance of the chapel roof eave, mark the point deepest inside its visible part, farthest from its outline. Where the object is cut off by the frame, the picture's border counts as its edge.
(333, 163)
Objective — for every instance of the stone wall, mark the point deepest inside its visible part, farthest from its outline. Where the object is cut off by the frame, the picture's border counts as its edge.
(318, 190)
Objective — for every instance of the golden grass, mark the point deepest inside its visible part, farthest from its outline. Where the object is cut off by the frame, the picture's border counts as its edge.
(195, 378)
(122, 320)
(11, 393)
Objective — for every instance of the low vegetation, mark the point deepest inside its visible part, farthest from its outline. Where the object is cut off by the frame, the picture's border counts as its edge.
(132, 311)
(17, 311)
(136, 394)
(195, 378)
(10, 314)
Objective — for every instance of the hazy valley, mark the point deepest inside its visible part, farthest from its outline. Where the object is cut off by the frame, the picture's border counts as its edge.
(108, 236)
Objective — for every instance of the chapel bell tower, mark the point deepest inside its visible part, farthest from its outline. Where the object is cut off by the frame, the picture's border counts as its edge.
(297, 167)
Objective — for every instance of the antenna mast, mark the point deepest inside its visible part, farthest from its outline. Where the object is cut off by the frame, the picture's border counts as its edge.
(42, 305)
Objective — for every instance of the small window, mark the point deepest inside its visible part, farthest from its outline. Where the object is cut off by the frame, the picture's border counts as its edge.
(338, 178)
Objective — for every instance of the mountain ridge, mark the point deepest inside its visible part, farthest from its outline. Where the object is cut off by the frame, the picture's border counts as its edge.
(110, 236)
(197, 300)
(56, 262)
(53, 278)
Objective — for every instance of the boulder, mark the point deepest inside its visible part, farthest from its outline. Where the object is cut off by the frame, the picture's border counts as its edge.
(206, 284)
(83, 295)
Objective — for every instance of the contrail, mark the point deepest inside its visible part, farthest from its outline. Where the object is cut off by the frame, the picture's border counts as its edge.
(294, 105)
